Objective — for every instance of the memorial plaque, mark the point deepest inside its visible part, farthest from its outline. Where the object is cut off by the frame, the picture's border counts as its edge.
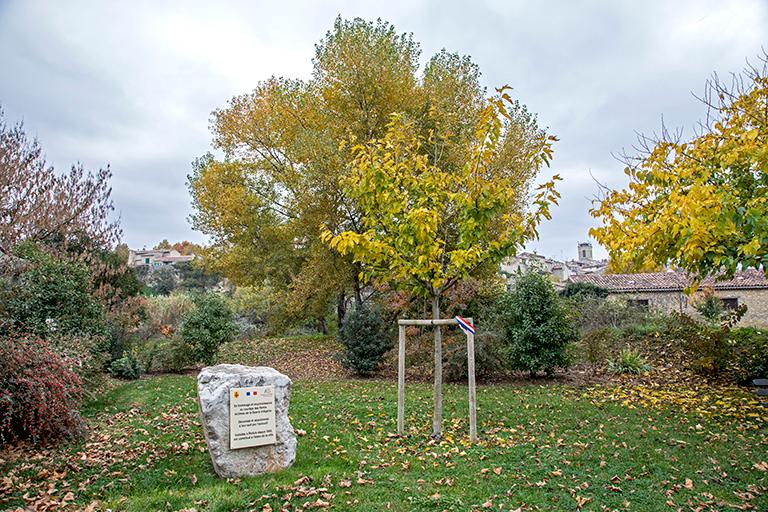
(251, 417)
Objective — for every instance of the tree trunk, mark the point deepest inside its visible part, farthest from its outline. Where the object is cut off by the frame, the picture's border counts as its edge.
(322, 327)
(341, 310)
(357, 288)
(437, 417)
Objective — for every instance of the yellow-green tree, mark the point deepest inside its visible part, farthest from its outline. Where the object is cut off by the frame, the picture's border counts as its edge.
(287, 144)
(698, 204)
(425, 226)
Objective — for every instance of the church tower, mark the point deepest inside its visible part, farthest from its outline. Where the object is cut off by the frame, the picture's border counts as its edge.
(585, 251)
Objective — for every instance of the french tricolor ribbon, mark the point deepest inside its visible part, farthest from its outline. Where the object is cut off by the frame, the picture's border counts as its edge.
(468, 327)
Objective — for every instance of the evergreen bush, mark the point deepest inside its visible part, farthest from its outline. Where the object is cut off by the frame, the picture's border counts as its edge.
(366, 339)
(207, 326)
(537, 326)
(127, 367)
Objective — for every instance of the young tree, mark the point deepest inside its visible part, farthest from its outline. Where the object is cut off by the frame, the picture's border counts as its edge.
(366, 339)
(424, 228)
(699, 204)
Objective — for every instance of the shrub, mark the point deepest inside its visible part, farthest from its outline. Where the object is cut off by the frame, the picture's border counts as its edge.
(707, 348)
(750, 348)
(127, 367)
(651, 323)
(583, 291)
(488, 359)
(85, 356)
(125, 320)
(39, 393)
(596, 346)
(592, 313)
(365, 338)
(53, 296)
(629, 361)
(537, 327)
(166, 355)
(207, 326)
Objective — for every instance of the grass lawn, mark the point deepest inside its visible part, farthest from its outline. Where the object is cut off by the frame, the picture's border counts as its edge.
(543, 448)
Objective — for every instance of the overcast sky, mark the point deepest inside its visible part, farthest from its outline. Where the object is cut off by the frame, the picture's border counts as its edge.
(132, 84)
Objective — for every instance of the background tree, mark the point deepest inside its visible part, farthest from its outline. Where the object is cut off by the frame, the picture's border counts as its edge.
(425, 228)
(42, 206)
(184, 247)
(288, 143)
(700, 203)
(66, 214)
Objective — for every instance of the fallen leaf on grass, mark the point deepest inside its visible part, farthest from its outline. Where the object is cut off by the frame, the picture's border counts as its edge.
(303, 480)
(581, 501)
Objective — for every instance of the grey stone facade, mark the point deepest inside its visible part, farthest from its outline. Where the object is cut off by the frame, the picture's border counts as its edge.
(665, 291)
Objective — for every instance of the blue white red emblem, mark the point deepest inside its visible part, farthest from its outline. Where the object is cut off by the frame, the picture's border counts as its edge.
(468, 327)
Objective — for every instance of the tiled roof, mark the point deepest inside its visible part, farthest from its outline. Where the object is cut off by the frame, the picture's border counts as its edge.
(669, 281)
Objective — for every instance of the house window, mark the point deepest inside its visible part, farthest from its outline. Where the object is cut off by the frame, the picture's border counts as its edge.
(730, 303)
(146, 260)
(639, 303)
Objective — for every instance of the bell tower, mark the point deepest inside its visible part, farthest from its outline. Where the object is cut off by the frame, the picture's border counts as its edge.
(585, 251)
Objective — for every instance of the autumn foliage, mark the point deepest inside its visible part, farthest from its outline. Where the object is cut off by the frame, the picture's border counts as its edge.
(697, 203)
(39, 393)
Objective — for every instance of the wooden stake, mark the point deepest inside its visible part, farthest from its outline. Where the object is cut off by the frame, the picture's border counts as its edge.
(401, 382)
(471, 382)
(437, 415)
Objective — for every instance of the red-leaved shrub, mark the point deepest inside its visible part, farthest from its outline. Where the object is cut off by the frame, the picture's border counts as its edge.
(39, 393)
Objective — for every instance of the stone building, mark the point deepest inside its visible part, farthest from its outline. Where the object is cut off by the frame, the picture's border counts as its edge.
(558, 271)
(665, 291)
(154, 258)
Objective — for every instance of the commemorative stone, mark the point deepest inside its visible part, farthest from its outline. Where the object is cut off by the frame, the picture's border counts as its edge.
(244, 411)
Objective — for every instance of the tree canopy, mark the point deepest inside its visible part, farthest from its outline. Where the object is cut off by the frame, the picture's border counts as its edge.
(288, 145)
(426, 227)
(698, 203)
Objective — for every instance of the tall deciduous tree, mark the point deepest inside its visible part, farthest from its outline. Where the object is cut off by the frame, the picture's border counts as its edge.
(700, 204)
(287, 144)
(425, 227)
